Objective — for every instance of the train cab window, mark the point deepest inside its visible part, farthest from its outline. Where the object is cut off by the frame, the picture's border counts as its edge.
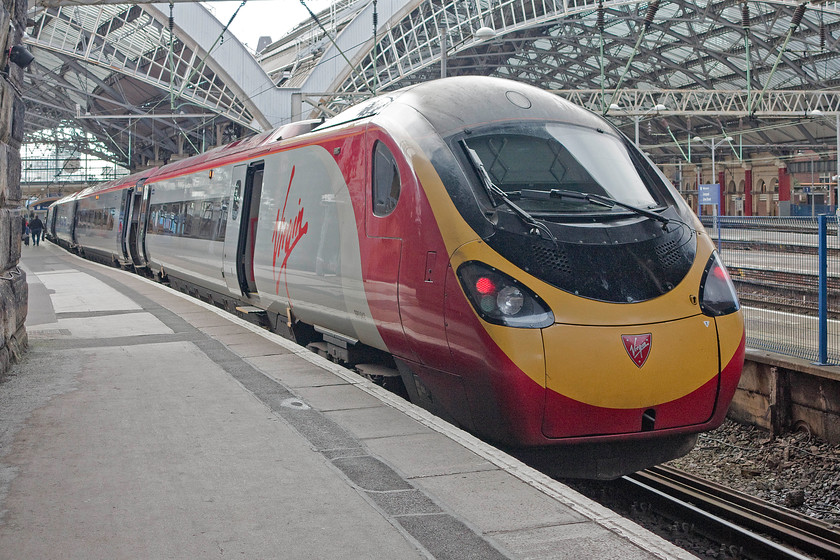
(544, 166)
(385, 180)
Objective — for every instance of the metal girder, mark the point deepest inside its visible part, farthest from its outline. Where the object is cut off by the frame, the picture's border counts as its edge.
(59, 3)
(709, 103)
(111, 59)
(690, 55)
(411, 40)
(135, 41)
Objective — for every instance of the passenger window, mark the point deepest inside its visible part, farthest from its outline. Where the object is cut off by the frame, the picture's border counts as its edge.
(386, 180)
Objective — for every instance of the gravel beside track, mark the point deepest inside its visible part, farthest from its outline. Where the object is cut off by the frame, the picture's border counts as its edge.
(794, 470)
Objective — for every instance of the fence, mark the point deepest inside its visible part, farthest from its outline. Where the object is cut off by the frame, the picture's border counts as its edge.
(787, 273)
(811, 210)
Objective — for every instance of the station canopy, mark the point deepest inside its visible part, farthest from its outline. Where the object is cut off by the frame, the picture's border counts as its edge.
(677, 76)
(139, 83)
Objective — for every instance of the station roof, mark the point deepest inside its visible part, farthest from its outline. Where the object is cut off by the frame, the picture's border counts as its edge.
(766, 74)
(140, 82)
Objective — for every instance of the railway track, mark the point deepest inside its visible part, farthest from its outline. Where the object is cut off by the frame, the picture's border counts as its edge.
(784, 291)
(745, 527)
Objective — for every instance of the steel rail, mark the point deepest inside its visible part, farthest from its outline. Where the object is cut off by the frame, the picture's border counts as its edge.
(795, 293)
(736, 515)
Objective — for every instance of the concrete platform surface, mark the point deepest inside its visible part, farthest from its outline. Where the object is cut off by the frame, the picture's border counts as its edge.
(145, 424)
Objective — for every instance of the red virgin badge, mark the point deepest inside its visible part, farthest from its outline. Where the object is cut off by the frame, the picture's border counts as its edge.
(637, 346)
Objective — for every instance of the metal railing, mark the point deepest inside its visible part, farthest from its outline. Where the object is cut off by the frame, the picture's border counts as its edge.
(787, 274)
(40, 170)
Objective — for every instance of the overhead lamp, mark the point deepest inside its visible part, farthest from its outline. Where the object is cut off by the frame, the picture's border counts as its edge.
(615, 107)
(696, 139)
(659, 107)
(484, 33)
(21, 56)
(814, 113)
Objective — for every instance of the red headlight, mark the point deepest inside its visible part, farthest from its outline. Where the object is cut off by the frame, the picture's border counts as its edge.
(484, 286)
(500, 299)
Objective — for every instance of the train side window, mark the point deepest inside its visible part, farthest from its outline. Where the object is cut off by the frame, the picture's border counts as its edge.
(385, 180)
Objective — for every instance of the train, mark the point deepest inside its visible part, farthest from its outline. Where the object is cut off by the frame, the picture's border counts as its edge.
(506, 259)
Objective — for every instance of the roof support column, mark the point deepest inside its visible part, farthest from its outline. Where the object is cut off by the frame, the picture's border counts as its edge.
(784, 184)
(748, 191)
(297, 106)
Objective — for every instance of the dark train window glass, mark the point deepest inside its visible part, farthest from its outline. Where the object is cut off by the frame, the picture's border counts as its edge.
(529, 163)
(195, 219)
(95, 218)
(385, 181)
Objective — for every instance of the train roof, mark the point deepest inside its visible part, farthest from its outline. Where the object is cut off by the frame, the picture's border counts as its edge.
(456, 103)
(114, 184)
(453, 104)
(211, 158)
(66, 198)
(119, 183)
(223, 155)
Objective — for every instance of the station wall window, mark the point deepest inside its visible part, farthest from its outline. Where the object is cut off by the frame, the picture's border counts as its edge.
(385, 180)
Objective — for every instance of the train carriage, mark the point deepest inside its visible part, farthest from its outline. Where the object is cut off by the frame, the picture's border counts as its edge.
(100, 211)
(49, 223)
(64, 221)
(525, 270)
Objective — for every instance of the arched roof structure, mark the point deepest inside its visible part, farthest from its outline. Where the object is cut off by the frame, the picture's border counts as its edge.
(141, 82)
(763, 72)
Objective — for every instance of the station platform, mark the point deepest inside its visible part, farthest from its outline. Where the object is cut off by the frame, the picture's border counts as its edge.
(143, 423)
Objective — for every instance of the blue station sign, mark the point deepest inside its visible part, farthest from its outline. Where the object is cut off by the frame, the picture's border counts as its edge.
(709, 194)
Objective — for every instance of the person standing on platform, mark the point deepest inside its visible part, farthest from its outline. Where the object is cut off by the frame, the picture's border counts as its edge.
(36, 226)
(24, 231)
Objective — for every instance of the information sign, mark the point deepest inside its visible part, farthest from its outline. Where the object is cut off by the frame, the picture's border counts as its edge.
(709, 194)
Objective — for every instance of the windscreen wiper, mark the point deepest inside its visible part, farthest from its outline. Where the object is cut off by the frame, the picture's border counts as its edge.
(595, 199)
(495, 192)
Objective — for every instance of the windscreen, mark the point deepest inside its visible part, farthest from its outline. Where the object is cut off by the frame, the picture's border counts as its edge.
(530, 162)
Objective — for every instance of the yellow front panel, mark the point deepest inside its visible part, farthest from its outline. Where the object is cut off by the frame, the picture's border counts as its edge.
(591, 364)
(731, 330)
(524, 347)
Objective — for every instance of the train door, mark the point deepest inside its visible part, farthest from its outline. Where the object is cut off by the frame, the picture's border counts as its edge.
(75, 220)
(144, 193)
(49, 223)
(122, 217)
(387, 212)
(131, 231)
(414, 260)
(241, 231)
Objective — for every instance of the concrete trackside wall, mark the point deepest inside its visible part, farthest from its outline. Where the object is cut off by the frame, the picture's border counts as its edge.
(13, 290)
(781, 394)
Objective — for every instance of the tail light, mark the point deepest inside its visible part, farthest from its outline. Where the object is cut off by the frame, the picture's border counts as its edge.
(501, 300)
(717, 292)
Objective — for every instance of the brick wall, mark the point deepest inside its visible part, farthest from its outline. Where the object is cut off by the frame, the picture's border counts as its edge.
(13, 290)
